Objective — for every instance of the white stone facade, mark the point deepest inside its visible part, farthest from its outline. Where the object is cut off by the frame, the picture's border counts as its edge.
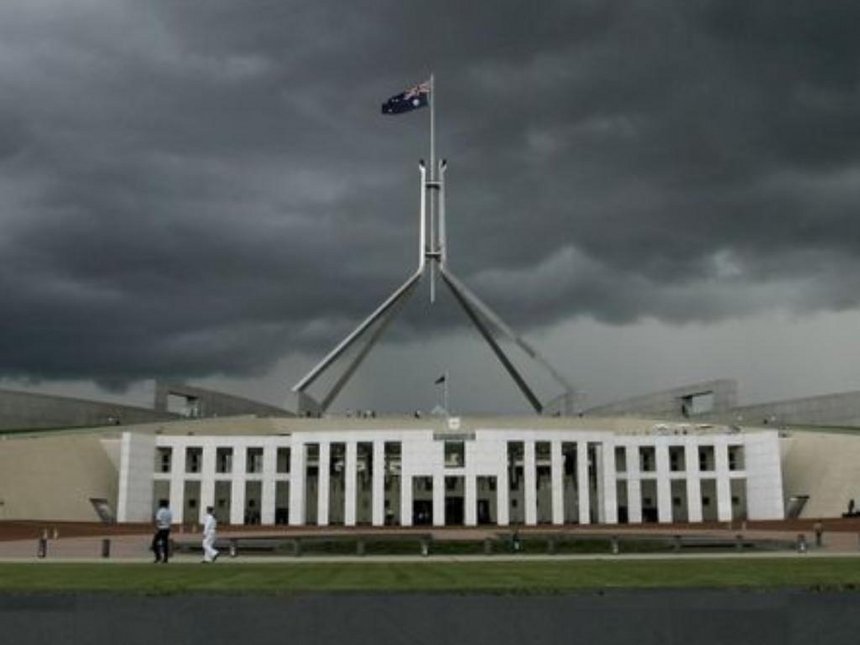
(482, 475)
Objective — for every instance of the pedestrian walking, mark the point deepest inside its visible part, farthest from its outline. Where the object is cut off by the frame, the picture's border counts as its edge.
(210, 525)
(161, 539)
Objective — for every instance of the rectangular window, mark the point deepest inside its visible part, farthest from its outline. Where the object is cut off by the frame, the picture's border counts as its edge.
(163, 459)
(393, 456)
(516, 452)
(543, 453)
(677, 461)
(224, 460)
(647, 460)
(620, 459)
(254, 461)
(736, 458)
(455, 454)
(193, 460)
(283, 461)
(706, 458)
(364, 456)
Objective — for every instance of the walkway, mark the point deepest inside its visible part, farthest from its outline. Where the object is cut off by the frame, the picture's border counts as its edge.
(84, 542)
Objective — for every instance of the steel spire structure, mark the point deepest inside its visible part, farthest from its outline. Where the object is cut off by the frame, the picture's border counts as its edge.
(432, 259)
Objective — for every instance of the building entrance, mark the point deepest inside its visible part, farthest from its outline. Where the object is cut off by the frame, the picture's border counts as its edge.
(453, 511)
(422, 512)
(484, 511)
(454, 493)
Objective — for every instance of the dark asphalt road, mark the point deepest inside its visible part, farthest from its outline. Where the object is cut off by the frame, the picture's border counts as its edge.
(640, 617)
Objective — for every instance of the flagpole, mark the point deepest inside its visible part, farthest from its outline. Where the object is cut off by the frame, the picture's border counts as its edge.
(432, 129)
(432, 192)
(445, 394)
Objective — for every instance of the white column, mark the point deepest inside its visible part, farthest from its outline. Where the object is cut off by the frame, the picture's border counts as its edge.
(351, 475)
(135, 482)
(405, 497)
(694, 484)
(610, 488)
(597, 464)
(503, 501)
(724, 489)
(557, 474)
(297, 482)
(207, 481)
(378, 503)
(582, 482)
(267, 492)
(324, 483)
(530, 482)
(634, 486)
(177, 483)
(237, 485)
(470, 494)
(664, 484)
(438, 499)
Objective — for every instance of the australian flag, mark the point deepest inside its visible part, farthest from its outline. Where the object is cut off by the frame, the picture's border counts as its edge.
(411, 99)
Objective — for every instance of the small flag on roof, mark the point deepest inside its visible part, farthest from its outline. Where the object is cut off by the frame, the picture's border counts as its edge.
(412, 99)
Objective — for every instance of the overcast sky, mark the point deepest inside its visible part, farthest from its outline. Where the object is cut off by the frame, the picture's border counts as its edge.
(652, 192)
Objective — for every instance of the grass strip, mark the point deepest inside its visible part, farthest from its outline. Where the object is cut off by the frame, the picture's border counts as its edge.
(523, 577)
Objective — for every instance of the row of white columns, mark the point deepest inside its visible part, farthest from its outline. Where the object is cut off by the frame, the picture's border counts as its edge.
(691, 475)
(606, 510)
(238, 478)
(606, 499)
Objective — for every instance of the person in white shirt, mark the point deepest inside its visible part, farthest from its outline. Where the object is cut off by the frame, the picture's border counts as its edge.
(210, 524)
(161, 539)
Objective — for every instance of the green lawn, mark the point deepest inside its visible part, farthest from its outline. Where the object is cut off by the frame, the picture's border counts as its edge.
(467, 577)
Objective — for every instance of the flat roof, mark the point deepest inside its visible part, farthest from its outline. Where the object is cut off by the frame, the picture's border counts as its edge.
(252, 425)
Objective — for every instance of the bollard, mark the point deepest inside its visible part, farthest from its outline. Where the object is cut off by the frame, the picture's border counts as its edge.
(677, 545)
(105, 548)
(488, 546)
(801, 543)
(739, 542)
(551, 546)
(234, 547)
(42, 549)
(614, 547)
(359, 547)
(425, 548)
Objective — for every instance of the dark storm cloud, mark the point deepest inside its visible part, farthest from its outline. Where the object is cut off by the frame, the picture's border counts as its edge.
(194, 188)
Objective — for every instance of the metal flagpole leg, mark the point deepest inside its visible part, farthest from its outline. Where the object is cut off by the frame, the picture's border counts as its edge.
(443, 243)
(432, 192)
(422, 227)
